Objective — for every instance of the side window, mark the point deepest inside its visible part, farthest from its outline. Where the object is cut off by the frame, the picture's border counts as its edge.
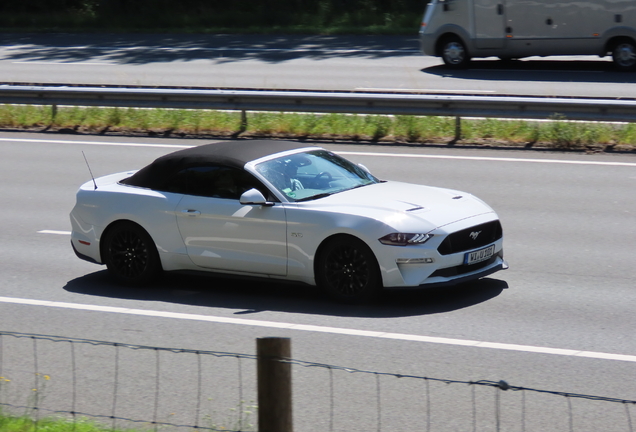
(213, 181)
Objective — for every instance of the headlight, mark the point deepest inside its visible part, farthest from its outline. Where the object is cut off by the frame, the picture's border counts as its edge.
(403, 239)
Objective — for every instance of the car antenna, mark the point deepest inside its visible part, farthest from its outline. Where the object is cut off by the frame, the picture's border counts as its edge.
(89, 170)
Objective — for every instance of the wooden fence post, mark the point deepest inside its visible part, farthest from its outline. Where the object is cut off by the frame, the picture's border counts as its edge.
(274, 385)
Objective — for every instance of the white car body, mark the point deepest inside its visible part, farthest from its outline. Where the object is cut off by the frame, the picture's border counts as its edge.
(281, 239)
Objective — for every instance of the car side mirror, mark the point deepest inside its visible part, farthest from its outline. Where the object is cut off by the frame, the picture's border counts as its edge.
(254, 197)
(364, 168)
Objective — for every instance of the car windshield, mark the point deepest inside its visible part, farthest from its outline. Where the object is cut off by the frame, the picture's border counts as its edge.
(312, 175)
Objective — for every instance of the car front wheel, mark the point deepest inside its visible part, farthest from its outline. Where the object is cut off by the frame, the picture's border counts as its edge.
(454, 53)
(130, 254)
(348, 271)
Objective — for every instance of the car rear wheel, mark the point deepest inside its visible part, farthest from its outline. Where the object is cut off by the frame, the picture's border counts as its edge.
(130, 254)
(348, 271)
(624, 55)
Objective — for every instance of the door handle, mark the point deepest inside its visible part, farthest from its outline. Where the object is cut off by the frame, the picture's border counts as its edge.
(191, 212)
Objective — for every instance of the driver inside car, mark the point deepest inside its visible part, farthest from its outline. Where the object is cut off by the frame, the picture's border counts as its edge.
(283, 174)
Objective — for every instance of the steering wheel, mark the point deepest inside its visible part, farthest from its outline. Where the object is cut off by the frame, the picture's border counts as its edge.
(326, 174)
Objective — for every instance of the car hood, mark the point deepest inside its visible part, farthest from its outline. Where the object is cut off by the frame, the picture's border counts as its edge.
(406, 206)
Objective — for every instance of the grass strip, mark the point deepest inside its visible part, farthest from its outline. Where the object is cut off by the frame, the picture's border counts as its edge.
(558, 133)
(26, 424)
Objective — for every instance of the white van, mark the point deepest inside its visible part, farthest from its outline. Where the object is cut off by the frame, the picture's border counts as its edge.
(458, 30)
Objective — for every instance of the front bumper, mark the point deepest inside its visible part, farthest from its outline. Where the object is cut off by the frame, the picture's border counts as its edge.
(427, 44)
(436, 282)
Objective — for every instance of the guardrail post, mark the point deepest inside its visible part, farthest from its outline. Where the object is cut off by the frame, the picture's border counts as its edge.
(243, 121)
(458, 128)
(274, 384)
(53, 113)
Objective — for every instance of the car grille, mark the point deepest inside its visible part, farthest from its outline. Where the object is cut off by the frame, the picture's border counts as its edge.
(462, 269)
(471, 238)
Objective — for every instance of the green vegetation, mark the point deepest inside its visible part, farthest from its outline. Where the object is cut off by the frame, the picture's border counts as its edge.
(214, 16)
(10, 423)
(27, 418)
(25, 424)
(557, 133)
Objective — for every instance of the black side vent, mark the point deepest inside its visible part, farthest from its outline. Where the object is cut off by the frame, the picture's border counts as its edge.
(462, 269)
(471, 238)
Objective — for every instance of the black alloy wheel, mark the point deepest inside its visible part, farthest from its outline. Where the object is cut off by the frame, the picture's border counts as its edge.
(130, 254)
(348, 271)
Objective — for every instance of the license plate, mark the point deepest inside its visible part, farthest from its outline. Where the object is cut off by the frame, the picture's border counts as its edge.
(479, 255)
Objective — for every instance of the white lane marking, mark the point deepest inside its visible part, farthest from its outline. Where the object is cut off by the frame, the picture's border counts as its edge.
(229, 49)
(324, 329)
(401, 155)
(480, 158)
(423, 90)
(95, 143)
(54, 232)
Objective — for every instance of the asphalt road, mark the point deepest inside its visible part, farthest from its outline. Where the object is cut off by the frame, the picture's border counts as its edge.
(386, 63)
(560, 319)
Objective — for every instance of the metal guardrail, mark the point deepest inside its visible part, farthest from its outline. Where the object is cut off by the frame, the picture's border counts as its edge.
(325, 102)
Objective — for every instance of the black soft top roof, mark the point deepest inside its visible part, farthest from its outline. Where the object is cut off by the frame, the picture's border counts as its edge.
(228, 153)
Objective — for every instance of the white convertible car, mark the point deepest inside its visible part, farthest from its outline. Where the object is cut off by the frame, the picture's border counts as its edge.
(282, 210)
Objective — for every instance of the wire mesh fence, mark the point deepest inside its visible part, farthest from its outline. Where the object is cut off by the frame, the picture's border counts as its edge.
(125, 385)
(154, 388)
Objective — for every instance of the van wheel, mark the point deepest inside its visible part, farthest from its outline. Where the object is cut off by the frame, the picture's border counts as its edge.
(454, 53)
(624, 55)
(346, 269)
